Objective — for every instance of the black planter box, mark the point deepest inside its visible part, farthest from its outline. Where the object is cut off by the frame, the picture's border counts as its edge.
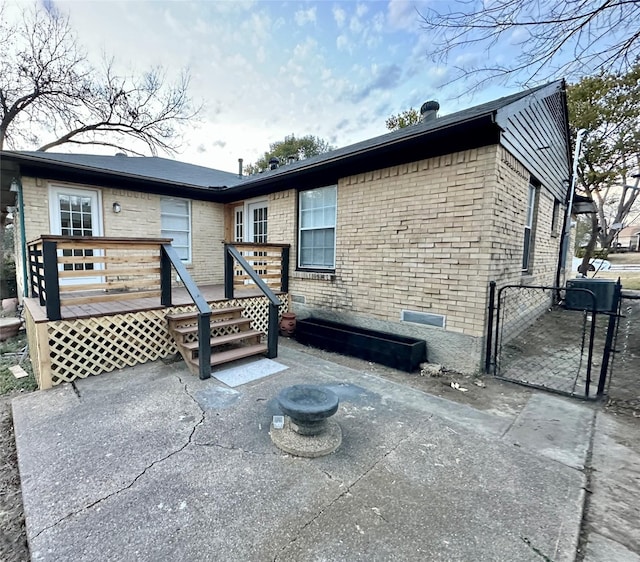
(399, 352)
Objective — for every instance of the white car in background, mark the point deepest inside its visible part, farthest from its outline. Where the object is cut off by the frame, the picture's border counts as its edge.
(595, 264)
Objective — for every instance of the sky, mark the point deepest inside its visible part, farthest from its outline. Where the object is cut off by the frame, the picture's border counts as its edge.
(267, 69)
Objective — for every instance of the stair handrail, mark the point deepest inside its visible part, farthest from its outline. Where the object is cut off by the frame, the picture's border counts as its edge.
(231, 253)
(169, 257)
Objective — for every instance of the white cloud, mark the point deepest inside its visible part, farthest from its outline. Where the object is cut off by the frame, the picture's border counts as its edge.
(339, 15)
(261, 76)
(343, 43)
(304, 17)
(355, 25)
(361, 10)
(404, 14)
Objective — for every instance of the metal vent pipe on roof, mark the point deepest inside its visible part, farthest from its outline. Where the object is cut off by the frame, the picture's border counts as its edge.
(429, 111)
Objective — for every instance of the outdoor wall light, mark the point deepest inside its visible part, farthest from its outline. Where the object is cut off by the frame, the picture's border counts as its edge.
(117, 207)
(14, 186)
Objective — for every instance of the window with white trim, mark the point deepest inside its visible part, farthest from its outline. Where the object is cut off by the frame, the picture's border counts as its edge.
(317, 228)
(528, 229)
(238, 224)
(175, 220)
(555, 218)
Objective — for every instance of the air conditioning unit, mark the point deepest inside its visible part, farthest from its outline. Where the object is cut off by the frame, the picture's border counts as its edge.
(603, 290)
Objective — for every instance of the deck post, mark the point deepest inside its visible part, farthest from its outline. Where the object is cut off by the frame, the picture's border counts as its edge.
(204, 345)
(43, 352)
(228, 273)
(272, 335)
(284, 270)
(51, 282)
(165, 278)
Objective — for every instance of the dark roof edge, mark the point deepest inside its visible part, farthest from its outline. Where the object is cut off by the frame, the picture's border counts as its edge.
(44, 162)
(332, 161)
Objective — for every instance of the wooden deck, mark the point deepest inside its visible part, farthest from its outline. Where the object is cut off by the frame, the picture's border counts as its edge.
(180, 297)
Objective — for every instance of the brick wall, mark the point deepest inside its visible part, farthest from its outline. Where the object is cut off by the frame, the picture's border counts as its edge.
(425, 237)
(509, 210)
(410, 237)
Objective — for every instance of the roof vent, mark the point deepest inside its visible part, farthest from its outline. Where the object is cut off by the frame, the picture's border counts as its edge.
(121, 154)
(429, 111)
(274, 163)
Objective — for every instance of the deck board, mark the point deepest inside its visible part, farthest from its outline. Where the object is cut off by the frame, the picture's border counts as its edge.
(180, 297)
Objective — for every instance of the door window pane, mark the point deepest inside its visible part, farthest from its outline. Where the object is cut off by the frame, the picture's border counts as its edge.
(260, 225)
(75, 213)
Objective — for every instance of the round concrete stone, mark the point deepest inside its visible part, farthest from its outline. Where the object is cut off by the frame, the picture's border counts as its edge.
(308, 402)
(309, 446)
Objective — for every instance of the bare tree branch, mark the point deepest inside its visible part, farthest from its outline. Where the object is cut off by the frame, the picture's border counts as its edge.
(49, 89)
(548, 38)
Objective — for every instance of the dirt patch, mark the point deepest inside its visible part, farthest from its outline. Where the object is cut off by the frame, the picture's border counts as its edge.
(13, 538)
(483, 392)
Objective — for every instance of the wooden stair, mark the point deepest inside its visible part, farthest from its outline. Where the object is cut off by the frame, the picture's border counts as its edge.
(231, 336)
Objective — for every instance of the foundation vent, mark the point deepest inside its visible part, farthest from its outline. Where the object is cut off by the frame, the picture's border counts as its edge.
(426, 318)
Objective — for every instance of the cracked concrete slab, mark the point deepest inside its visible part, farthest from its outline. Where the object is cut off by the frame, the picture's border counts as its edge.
(192, 474)
(612, 519)
(449, 497)
(82, 449)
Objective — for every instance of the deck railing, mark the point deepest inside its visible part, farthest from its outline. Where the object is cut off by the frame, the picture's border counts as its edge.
(68, 270)
(73, 270)
(269, 261)
(168, 258)
(234, 259)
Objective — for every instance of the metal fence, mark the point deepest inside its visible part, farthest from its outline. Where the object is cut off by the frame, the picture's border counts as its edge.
(555, 338)
(623, 383)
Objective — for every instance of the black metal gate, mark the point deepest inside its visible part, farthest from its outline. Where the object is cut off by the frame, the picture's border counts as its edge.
(624, 368)
(555, 338)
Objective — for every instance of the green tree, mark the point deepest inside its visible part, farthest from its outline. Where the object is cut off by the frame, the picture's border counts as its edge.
(403, 119)
(51, 95)
(292, 147)
(607, 106)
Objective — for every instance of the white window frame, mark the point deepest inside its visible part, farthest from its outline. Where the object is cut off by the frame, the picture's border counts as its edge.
(301, 229)
(239, 212)
(529, 234)
(165, 233)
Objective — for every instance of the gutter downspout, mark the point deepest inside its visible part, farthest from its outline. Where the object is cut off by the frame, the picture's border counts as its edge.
(567, 218)
(23, 240)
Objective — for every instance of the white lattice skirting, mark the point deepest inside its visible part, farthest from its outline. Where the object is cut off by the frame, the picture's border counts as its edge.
(91, 346)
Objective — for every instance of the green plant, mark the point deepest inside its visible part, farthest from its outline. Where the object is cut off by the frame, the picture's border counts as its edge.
(8, 283)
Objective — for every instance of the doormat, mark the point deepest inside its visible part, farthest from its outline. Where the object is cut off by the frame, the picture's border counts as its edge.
(247, 372)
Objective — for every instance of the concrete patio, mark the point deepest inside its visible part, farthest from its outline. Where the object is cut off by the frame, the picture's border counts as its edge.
(150, 463)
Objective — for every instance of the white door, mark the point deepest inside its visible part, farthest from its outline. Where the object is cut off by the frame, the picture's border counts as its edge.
(250, 225)
(256, 230)
(76, 212)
